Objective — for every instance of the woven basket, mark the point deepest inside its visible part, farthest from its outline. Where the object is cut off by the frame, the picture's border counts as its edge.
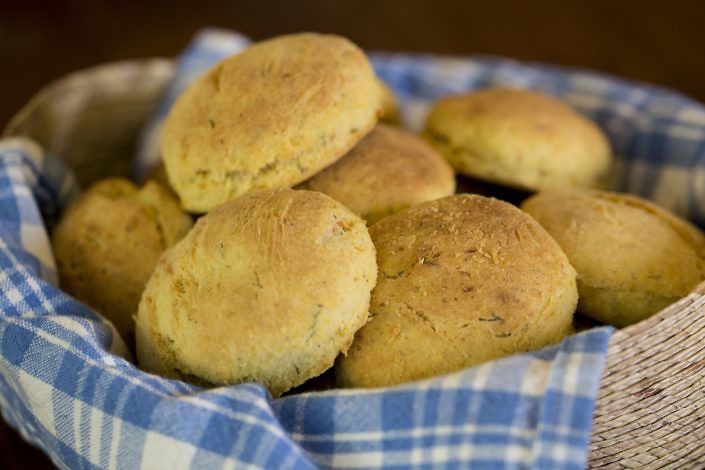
(651, 406)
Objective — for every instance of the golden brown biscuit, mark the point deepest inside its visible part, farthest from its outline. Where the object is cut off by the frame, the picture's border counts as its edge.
(519, 138)
(269, 117)
(632, 257)
(389, 170)
(107, 244)
(462, 280)
(269, 288)
(389, 108)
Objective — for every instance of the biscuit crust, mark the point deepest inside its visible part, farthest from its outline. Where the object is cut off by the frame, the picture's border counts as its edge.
(269, 117)
(268, 288)
(632, 257)
(389, 109)
(108, 242)
(519, 138)
(389, 170)
(462, 280)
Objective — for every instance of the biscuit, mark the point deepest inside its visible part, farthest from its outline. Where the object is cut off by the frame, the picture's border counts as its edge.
(389, 170)
(108, 241)
(632, 257)
(389, 109)
(269, 117)
(519, 138)
(462, 280)
(269, 287)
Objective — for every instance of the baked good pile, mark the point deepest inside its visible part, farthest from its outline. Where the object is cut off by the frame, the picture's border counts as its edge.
(330, 239)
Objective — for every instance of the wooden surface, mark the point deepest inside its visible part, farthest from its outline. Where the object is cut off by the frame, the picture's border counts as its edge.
(654, 41)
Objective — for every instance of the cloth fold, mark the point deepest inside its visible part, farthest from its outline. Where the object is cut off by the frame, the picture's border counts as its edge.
(68, 385)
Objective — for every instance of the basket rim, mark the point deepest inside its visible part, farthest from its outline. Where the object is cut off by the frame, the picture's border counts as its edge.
(77, 78)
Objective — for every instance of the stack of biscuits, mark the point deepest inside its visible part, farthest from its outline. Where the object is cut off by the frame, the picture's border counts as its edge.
(329, 238)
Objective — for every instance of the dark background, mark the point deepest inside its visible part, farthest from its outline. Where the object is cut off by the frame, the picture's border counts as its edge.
(662, 42)
(656, 41)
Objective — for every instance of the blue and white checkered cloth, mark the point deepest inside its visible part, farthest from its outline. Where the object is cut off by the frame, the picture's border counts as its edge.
(67, 383)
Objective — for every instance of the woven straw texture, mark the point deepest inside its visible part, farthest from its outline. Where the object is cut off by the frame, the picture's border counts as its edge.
(651, 406)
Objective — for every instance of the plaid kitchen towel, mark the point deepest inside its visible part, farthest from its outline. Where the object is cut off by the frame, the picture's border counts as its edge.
(68, 385)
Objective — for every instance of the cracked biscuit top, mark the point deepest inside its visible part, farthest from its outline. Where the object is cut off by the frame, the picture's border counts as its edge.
(269, 117)
(462, 280)
(109, 240)
(269, 287)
